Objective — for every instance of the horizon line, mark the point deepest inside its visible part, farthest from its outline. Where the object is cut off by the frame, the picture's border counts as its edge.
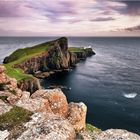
(70, 36)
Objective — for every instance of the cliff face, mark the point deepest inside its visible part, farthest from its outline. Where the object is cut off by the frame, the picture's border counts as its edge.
(56, 58)
(30, 85)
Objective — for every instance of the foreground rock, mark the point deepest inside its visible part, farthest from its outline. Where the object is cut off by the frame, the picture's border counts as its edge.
(48, 127)
(77, 115)
(117, 134)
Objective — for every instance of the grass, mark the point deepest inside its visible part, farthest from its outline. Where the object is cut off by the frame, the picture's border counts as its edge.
(14, 121)
(76, 49)
(92, 128)
(16, 116)
(25, 52)
(16, 73)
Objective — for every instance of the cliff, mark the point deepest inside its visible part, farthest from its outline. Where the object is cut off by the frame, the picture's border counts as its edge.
(46, 115)
(53, 56)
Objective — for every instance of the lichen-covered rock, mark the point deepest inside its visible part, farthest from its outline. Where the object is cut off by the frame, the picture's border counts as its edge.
(116, 134)
(77, 115)
(83, 135)
(57, 100)
(12, 99)
(12, 84)
(4, 135)
(4, 107)
(2, 69)
(48, 127)
(34, 105)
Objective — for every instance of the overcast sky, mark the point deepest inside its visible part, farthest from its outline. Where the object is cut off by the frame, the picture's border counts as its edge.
(69, 18)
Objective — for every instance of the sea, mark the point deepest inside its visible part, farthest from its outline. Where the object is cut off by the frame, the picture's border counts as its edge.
(108, 82)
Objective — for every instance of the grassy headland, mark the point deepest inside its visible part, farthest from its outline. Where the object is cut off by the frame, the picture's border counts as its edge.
(22, 55)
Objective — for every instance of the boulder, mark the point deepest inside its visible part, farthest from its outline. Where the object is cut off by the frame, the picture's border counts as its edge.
(48, 127)
(77, 115)
(56, 99)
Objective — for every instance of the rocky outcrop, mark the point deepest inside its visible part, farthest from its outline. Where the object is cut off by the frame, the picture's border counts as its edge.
(116, 134)
(30, 85)
(56, 99)
(48, 127)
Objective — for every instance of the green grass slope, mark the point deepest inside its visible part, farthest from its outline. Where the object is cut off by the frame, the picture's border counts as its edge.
(22, 55)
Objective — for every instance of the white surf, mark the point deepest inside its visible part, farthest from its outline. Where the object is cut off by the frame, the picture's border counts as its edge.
(130, 95)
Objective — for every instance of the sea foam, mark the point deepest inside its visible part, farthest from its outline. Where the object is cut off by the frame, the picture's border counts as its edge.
(130, 95)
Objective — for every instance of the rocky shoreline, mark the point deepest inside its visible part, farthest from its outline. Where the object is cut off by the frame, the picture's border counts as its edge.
(46, 115)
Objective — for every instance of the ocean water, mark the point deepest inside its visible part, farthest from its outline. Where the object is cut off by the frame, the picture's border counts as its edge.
(108, 83)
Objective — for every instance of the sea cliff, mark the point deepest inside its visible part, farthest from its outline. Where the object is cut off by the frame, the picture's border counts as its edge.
(42, 60)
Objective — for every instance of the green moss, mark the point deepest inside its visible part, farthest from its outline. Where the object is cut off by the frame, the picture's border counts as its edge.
(15, 117)
(92, 128)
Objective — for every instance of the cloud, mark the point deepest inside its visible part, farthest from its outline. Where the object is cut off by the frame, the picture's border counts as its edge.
(103, 19)
(70, 17)
(9, 9)
(132, 7)
(134, 28)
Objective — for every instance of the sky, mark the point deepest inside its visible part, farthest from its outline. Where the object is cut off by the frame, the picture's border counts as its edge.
(69, 18)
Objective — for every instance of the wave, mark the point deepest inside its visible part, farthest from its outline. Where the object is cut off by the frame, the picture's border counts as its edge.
(130, 95)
